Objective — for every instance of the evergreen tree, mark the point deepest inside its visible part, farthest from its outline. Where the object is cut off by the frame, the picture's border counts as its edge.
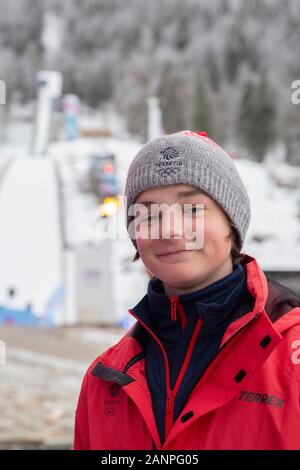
(234, 53)
(203, 106)
(172, 95)
(257, 118)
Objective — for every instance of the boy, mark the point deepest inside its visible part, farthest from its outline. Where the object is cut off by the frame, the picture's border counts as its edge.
(213, 360)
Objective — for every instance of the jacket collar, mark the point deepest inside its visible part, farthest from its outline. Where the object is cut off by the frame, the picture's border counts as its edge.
(167, 315)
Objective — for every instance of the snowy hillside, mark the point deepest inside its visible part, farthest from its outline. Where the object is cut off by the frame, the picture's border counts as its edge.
(274, 233)
(30, 238)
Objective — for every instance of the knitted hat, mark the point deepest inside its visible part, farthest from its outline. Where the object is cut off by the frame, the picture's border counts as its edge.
(190, 158)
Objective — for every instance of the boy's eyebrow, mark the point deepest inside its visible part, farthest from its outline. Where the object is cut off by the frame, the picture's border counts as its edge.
(190, 192)
(146, 203)
(180, 195)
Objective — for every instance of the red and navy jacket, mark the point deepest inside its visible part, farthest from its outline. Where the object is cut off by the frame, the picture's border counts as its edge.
(247, 394)
(188, 329)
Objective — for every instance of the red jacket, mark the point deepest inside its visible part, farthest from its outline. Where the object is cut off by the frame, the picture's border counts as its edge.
(247, 398)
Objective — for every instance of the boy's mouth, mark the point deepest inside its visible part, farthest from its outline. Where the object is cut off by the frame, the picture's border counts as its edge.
(170, 253)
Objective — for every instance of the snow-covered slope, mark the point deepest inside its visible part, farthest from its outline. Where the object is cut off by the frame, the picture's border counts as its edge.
(274, 232)
(30, 237)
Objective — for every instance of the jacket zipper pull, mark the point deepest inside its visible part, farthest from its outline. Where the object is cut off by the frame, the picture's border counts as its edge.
(169, 412)
(173, 308)
(170, 397)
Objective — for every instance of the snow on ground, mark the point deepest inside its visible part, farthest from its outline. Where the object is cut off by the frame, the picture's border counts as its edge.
(274, 232)
(40, 382)
(8, 154)
(30, 237)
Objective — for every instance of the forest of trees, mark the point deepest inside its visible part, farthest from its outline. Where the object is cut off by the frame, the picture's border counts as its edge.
(224, 66)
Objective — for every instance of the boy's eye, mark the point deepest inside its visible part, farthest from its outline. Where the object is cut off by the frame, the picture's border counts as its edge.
(155, 217)
(198, 209)
(150, 218)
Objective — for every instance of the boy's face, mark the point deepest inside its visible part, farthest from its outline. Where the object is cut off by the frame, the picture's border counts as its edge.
(181, 265)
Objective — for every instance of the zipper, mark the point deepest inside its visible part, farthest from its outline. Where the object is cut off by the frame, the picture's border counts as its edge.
(169, 411)
(173, 300)
(176, 305)
(170, 401)
(171, 393)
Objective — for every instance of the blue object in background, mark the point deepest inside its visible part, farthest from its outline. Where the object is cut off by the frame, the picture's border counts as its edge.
(71, 106)
(54, 305)
(19, 317)
(26, 317)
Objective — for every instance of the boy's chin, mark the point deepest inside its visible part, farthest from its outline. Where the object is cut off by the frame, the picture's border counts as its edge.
(181, 278)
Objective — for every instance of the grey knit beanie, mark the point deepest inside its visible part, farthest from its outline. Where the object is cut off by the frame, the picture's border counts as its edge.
(190, 158)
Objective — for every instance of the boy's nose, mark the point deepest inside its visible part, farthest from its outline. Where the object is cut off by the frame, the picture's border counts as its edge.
(172, 226)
